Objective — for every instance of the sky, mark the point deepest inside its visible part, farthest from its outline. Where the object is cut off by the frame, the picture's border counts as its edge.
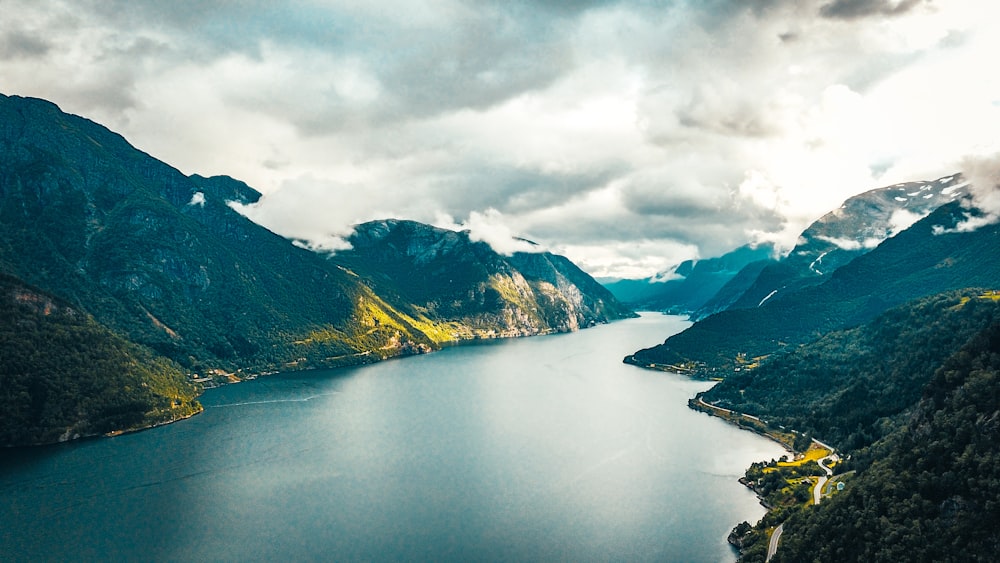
(626, 135)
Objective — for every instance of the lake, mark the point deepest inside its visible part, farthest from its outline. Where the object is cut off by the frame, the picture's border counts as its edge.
(545, 448)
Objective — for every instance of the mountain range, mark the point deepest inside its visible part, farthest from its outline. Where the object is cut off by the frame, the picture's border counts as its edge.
(880, 335)
(931, 256)
(749, 276)
(690, 285)
(165, 262)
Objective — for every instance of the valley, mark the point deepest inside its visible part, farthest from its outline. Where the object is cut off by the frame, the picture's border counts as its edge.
(129, 288)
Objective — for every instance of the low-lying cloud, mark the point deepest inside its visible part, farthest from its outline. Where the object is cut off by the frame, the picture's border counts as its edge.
(983, 204)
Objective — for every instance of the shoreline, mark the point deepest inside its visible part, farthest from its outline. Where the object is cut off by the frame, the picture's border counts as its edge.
(745, 421)
(786, 439)
(221, 378)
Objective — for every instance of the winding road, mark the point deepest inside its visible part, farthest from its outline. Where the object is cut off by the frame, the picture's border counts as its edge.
(772, 545)
(818, 490)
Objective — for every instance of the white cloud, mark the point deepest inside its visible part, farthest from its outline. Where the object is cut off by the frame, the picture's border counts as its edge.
(983, 174)
(490, 228)
(628, 136)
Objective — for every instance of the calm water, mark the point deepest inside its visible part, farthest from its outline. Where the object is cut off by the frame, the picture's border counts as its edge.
(545, 448)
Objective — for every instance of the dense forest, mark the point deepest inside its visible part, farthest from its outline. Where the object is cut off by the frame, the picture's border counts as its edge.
(911, 402)
(62, 375)
(850, 387)
(931, 490)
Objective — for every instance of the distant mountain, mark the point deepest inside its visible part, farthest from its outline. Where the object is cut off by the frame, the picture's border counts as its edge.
(853, 229)
(63, 376)
(691, 284)
(925, 259)
(479, 293)
(163, 260)
(730, 293)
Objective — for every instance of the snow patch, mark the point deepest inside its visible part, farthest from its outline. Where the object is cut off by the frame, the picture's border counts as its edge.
(769, 295)
(198, 199)
(951, 189)
(812, 266)
(897, 198)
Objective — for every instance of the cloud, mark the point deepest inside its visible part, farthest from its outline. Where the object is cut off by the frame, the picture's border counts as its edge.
(629, 135)
(18, 43)
(489, 227)
(854, 9)
(983, 205)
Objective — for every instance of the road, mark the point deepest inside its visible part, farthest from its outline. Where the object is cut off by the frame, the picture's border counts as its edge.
(772, 545)
(818, 490)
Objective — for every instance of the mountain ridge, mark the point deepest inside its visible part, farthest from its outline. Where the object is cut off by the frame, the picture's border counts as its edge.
(918, 261)
(163, 260)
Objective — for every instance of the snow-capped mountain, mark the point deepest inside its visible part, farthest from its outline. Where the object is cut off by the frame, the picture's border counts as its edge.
(853, 229)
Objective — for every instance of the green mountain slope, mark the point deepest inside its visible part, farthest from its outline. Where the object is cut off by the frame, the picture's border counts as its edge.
(932, 492)
(850, 387)
(917, 262)
(162, 258)
(164, 261)
(853, 229)
(63, 376)
(443, 275)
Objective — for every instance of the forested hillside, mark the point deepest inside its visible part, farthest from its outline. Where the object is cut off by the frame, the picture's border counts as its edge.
(931, 490)
(165, 261)
(850, 387)
(63, 376)
(478, 292)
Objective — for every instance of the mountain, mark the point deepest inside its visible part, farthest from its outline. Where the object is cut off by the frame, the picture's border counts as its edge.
(850, 386)
(164, 261)
(730, 293)
(690, 284)
(910, 401)
(930, 491)
(929, 257)
(479, 293)
(853, 229)
(63, 375)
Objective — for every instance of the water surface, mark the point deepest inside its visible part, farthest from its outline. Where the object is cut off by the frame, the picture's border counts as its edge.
(543, 448)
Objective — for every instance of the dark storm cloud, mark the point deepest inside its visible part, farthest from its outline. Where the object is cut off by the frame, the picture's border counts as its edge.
(513, 190)
(18, 43)
(856, 9)
(471, 58)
